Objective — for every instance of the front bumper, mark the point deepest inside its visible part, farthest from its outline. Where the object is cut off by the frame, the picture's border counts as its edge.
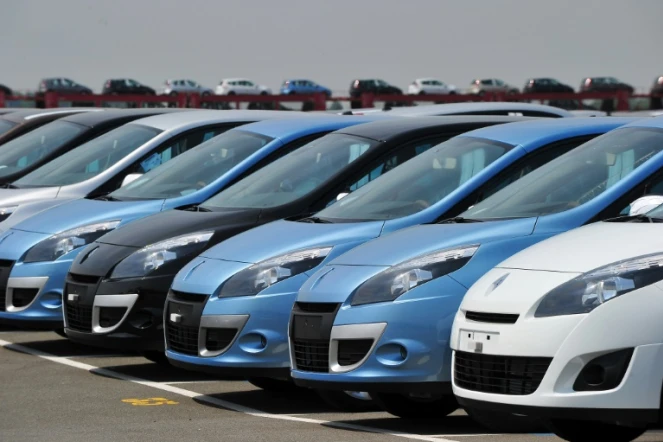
(405, 344)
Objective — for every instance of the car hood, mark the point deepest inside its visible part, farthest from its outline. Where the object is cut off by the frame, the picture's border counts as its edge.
(409, 243)
(173, 223)
(281, 237)
(589, 247)
(83, 211)
(12, 197)
(30, 209)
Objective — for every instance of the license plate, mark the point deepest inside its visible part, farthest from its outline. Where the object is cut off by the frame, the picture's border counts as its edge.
(478, 342)
(307, 327)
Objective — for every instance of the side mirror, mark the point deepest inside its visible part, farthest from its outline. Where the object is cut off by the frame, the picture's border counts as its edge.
(645, 204)
(342, 195)
(130, 178)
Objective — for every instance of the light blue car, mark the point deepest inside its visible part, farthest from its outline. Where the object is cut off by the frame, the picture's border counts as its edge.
(378, 318)
(36, 253)
(252, 278)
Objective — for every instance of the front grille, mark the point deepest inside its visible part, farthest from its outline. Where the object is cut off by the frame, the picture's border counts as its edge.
(23, 297)
(219, 338)
(316, 307)
(311, 355)
(496, 318)
(84, 279)
(512, 375)
(182, 338)
(187, 297)
(351, 351)
(79, 317)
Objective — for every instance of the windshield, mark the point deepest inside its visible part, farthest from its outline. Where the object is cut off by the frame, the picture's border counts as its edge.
(91, 158)
(5, 125)
(294, 175)
(574, 178)
(28, 149)
(196, 168)
(420, 182)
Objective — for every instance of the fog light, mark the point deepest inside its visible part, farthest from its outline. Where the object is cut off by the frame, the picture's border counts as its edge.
(604, 372)
(594, 374)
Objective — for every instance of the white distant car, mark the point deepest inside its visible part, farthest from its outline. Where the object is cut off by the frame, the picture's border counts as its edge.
(569, 331)
(481, 86)
(422, 86)
(174, 87)
(241, 86)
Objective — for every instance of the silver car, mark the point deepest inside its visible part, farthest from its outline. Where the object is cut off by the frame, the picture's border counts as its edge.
(174, 87)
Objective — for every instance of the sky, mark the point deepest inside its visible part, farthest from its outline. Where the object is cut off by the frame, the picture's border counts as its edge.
(331, 42)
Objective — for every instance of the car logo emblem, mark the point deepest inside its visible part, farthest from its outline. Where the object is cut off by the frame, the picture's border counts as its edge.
(497, 283)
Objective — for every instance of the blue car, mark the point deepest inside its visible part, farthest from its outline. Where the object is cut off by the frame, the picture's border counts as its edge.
(38, 251)
(303, 86)
(378, 318)
(437, 184)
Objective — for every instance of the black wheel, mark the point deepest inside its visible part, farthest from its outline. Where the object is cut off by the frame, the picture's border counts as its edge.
(206, 94)
(581, 431)
(264, 93)
(482, 93)
(352, 402)
(60, 332)
(157, 357)
(416, 408)
(173, 94)
(232, 93)
(290, 93)
(269, 384)
(505, 422)
(452, 92)
(422, 92)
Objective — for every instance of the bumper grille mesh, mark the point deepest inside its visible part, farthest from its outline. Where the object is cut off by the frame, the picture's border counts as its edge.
(496, 318)
(219, 338)
(182, 338)
(79, 317)
(311, 355)
(351, 351)
(511, 375)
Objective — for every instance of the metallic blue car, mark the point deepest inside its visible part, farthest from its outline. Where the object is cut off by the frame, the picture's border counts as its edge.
(378, 318)
(36, 252)
(303, 86)
(252, 279)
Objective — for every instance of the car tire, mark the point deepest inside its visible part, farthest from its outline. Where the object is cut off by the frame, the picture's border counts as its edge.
(505, 422)
(581, 431)
(422, 92)
(158, 357)
(481, 93)
(231, 93)
(452, 92)
(270, 384)
(414, 408)
(264, 93)
(343, 401)
(205, 94)
(173, 94)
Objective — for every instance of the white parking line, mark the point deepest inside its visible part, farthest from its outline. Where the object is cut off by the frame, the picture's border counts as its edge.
(211, 400)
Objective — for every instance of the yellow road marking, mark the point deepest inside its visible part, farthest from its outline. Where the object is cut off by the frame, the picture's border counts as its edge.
(150, 401)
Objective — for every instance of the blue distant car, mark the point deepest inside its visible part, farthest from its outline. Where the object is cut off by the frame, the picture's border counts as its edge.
(40, 249)
(442, 182)
(303, 86)
(378, 318)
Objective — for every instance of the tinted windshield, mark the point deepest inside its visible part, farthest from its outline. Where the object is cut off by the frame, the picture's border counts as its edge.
(420, 182)
(91, 158)
(294, 175)
(196, 168)
(27, 149)
(574, 178)
(5, 125)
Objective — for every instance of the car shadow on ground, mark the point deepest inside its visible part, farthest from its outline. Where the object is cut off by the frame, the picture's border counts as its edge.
(456, 424)
(297, 401)
(64, 348)
(154, 372)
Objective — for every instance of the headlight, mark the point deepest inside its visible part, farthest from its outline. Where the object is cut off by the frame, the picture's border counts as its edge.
(395, 281)
(586, 292)
(258, 277)
(154, 256)
(5, 212)
(60, 244)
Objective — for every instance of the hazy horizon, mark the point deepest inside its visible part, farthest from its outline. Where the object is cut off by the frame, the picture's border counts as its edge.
(330, 42)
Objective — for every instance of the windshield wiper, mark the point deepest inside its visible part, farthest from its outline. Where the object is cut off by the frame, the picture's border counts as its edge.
(642, 218)
(107, 198)
(460, 220)
(315, 219)
(9, 186)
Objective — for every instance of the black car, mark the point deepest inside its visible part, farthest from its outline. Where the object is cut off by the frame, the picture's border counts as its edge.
(26, 153)
(372, 85)
(17, 122)
(62, 86)
(545, 85)
(295, 186)
(604, 84)
(6, 90)
(121, 86)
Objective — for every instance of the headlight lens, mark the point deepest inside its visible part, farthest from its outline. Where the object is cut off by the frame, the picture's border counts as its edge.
(395, 281)
(586, 292)
(62, 243)
(253, 280)
(5, 212)
(154, 256)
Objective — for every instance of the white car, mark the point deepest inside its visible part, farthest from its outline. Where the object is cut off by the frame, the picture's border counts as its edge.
(569, 331)
(174, 87)
(241, 86)
(422, 86)
(481, 86)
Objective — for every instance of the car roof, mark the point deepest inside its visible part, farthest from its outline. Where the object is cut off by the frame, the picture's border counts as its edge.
(523, 133)
(656, 122)
(29, 114)
(91, 119)
(486, 106)
(234, 79)
(278, 128)
(384, 130)
(179, 119)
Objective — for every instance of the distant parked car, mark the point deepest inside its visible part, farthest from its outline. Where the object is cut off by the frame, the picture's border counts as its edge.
(119, 86)
(545, 85)
(376, 86)
(604, 84)
(63, 86)
(491, 85)
(422, 86)
(174, 87)
(302, 86)
(657, 87)
(5, 90)
(241, 86)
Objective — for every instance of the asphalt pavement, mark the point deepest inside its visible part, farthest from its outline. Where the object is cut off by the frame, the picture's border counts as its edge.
(54, 390)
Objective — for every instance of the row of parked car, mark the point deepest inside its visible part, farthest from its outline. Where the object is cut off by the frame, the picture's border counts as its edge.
(499, 257)
(244, 86)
